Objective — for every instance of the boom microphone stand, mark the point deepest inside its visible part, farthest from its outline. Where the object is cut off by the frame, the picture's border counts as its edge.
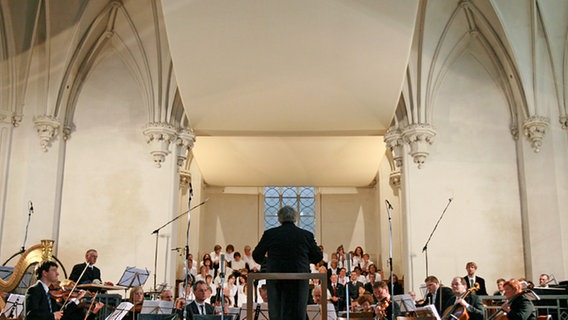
(157, 232)
(425, 249)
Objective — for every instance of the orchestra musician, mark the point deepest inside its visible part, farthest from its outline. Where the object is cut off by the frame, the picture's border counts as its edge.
(460, 301)
(136, 297)
(471, 279)
(437, 295)
(517, 306)
(92, 273)
(199, 306)
(385, 305)
(39, 305)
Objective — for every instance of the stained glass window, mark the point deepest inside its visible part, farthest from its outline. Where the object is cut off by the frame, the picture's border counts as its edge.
(303, 199)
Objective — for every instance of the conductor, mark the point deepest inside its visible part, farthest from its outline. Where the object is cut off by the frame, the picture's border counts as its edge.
(287, 249)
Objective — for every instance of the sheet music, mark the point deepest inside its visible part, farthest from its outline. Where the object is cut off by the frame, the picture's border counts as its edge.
(120, 311)
(405, 302)
(14, 306)
(428, 311)
(157, 307)
(133, 277)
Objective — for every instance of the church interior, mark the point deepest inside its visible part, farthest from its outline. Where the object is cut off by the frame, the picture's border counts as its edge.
(428, 133)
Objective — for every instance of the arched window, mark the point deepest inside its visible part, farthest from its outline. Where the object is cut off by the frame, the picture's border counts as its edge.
(301, 198)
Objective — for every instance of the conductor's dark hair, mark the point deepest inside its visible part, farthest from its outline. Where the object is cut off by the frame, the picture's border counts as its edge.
(44, 266)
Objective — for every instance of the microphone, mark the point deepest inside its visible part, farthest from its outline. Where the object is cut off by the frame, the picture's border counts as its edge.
(388, 204)
(222, 264)
(348, 258)
(31, 206)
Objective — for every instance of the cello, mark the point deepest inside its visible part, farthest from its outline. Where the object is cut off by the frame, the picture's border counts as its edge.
(457, 311)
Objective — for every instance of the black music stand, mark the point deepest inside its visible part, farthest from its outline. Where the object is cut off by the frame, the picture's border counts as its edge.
(25, 283)
(133, 277)
(14, 306)
(405, 302)
(260, 312)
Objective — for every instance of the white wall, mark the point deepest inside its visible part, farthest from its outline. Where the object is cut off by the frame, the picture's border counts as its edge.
(472, 161)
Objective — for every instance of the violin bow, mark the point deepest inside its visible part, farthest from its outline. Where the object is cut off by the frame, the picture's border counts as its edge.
(66, 302)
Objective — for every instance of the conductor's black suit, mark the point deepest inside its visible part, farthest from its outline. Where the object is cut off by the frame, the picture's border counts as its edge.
(291, 250)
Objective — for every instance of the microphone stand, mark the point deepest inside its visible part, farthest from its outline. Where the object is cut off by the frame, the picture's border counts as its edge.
(347, 305)
(389, 211)
(425, 249)
(185, 295)
(30, 211)
(222, 276)
(23, 249)
(157, 232)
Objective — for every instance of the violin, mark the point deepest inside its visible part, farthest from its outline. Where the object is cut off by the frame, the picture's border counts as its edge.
(64, 292)
(382, 308)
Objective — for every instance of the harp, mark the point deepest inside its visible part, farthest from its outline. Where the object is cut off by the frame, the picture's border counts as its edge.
(35, 254)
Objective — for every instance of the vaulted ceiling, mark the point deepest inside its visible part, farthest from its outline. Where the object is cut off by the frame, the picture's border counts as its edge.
(289, 92)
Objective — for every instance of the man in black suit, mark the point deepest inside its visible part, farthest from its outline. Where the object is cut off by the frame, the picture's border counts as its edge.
(291, 250)
(437, 295)
(337, 291)
(91, 274)
(353, 287)
(471, 279)
(471, 303)
(40, 306)
(385, 307)
(199, 306)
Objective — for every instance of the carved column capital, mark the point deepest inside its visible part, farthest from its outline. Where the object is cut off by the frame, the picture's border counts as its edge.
(394, 180)
(393, 140)
(47, 128)
(419, 137)
(159, 135)
(535, 129)
(564, 121)
(16, 120)
(184, 180)
(184, 143)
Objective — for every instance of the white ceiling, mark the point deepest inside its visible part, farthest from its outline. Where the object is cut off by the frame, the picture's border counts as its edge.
(289, 92)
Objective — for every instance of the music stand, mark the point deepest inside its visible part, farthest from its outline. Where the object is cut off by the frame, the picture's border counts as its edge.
(427, 312)
(133, 277)
(14, 306)
(314, 312)
(157, 307)
(120, 311)
(259, 308)
(405, 302)
(6, 273)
